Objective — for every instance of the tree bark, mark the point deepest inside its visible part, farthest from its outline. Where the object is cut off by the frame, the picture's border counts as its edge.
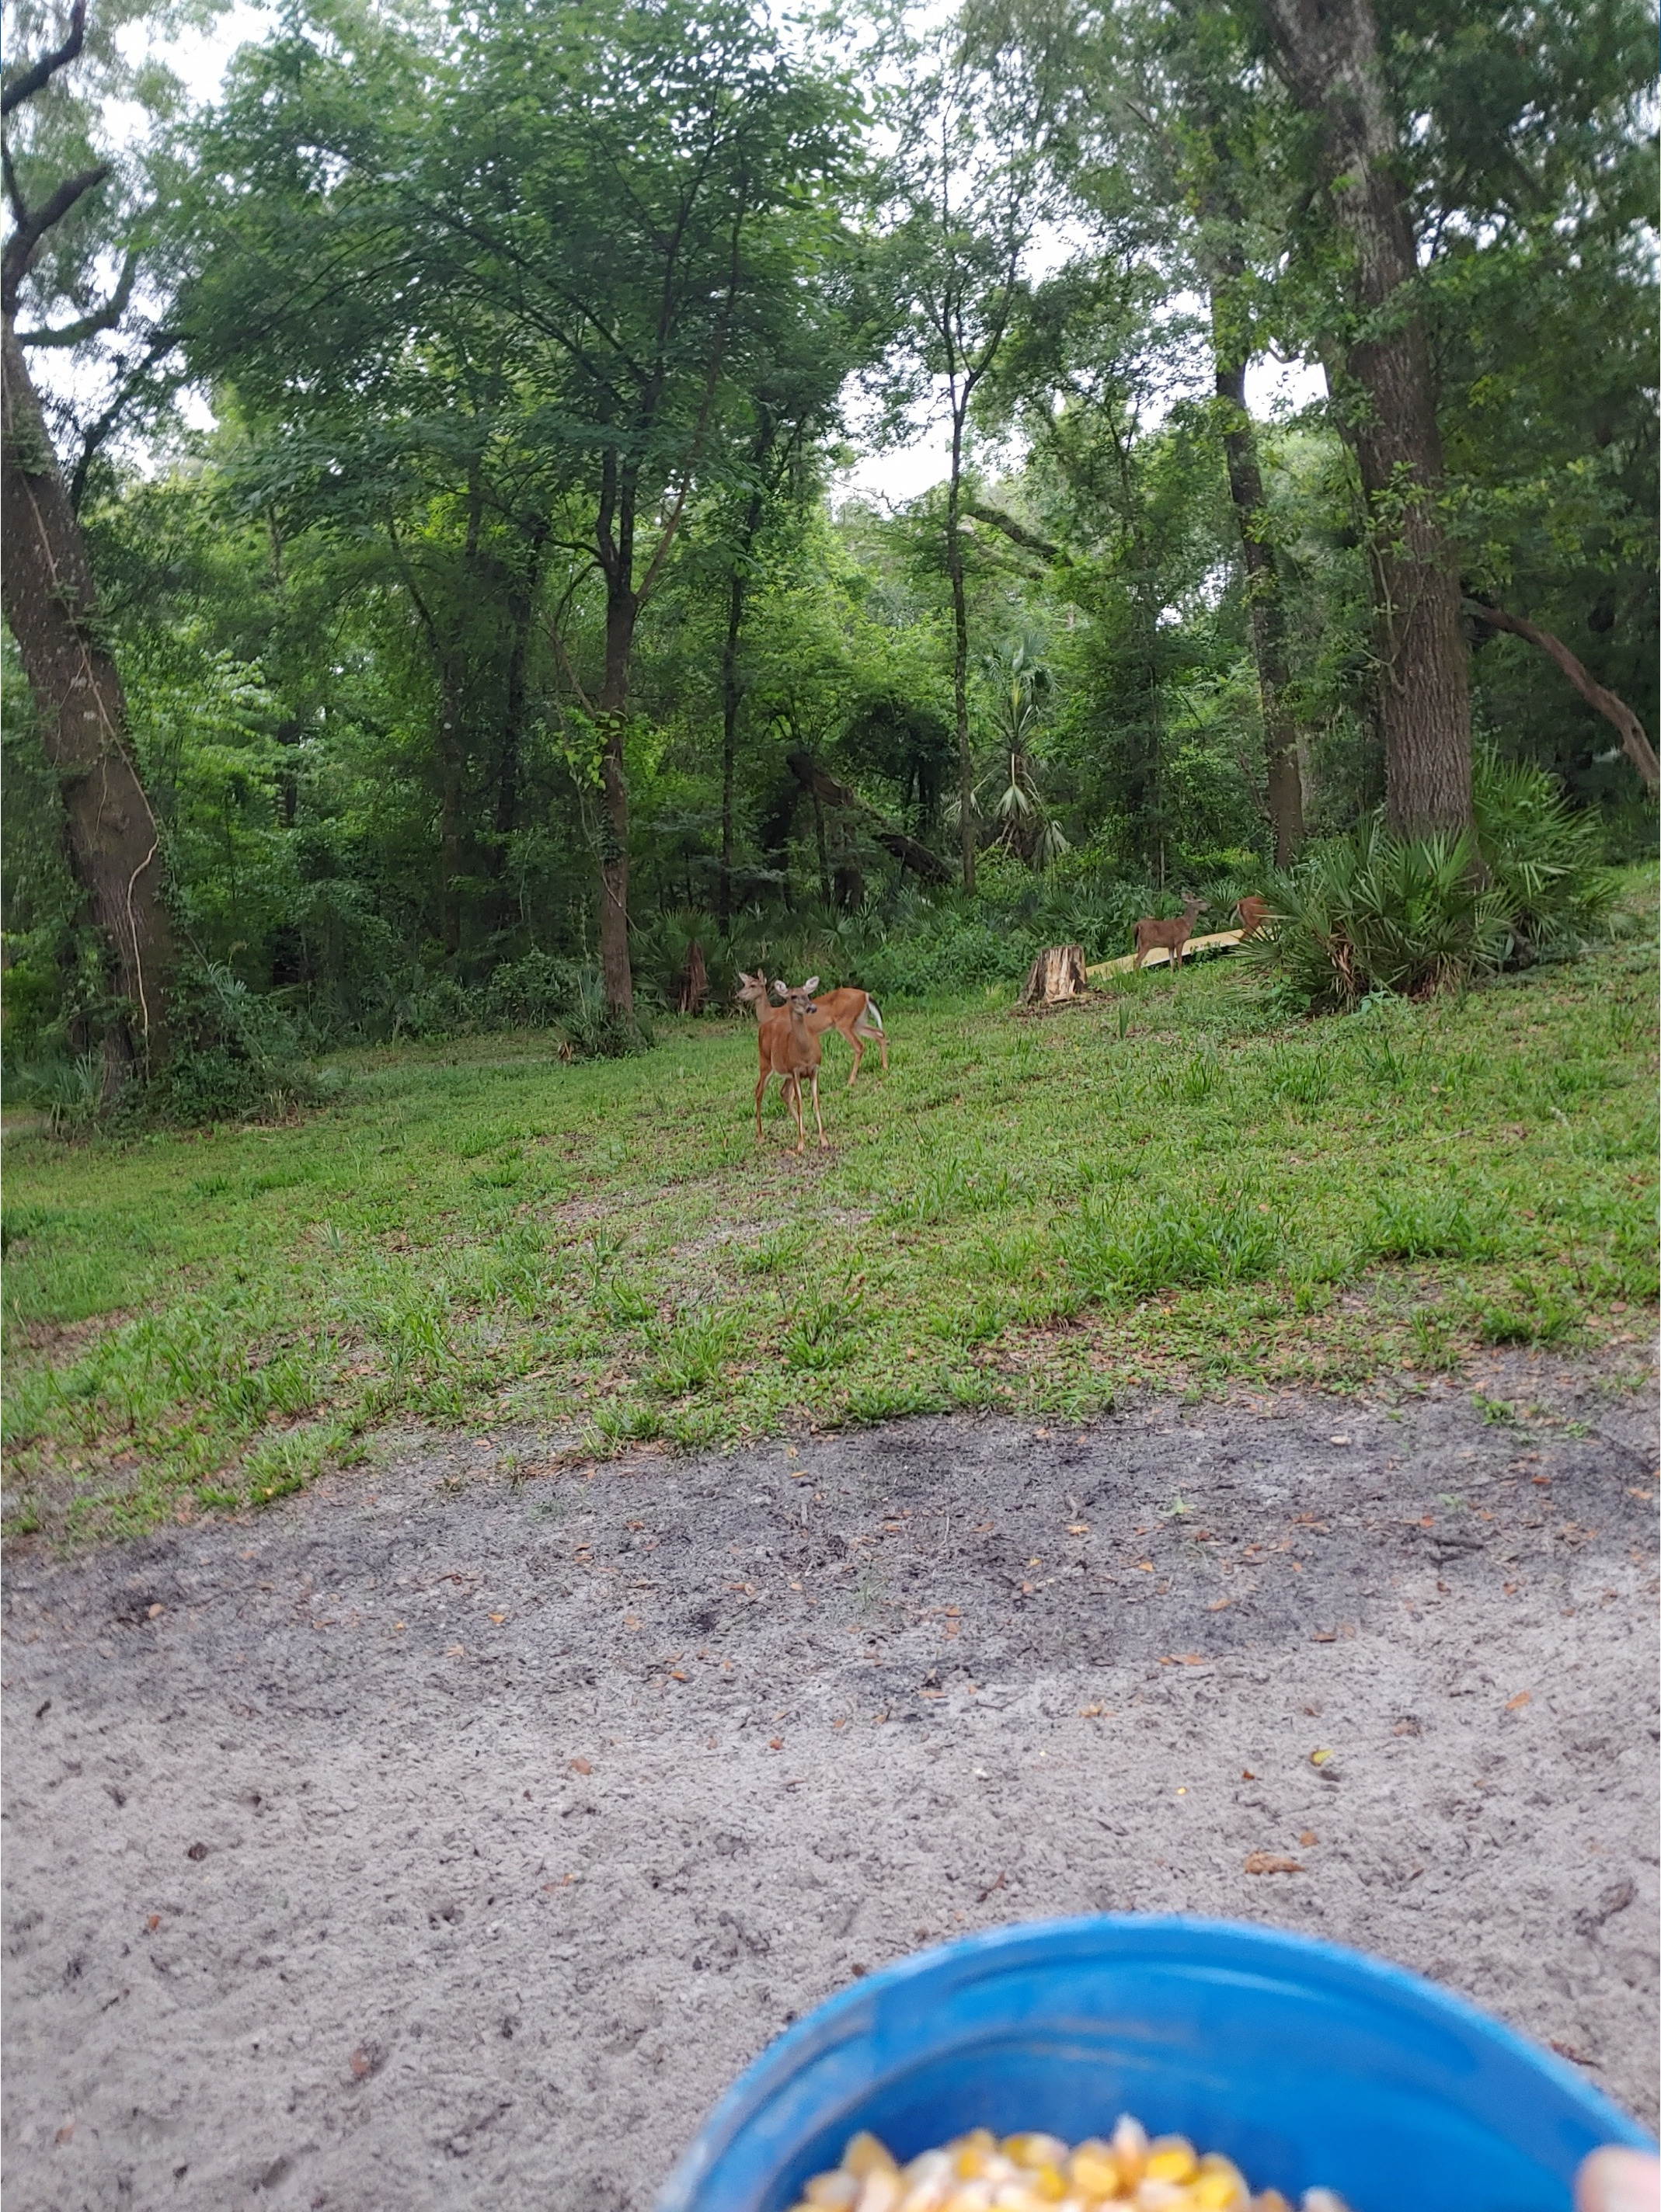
(960, 657)
(450, 807)
(1055, 977)
(1327, 53)
(1246, 485)
(620, 611)
(1635, 741)
(731, 699)
(52, 608)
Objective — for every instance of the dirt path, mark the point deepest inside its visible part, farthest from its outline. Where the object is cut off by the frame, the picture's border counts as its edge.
(445, 1841)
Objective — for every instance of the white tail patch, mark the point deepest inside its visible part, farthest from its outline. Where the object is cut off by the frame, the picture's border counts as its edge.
(871, 1015)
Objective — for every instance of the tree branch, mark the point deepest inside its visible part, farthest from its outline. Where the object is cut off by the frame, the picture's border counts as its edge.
(996, 518)
(41, 73)
(20, 245)
(102, 318)
(1636, 744)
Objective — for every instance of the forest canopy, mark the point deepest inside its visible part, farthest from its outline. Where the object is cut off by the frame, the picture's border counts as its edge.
(464, 437)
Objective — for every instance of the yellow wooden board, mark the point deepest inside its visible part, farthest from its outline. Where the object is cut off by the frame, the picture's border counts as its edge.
(1219, 941)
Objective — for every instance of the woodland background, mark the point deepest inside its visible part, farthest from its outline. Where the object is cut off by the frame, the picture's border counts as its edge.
(452, 413)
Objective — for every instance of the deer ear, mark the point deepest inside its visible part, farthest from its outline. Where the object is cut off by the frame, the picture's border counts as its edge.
(811, 985)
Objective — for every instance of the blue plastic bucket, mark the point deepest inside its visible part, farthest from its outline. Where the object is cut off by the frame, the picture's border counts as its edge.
(1305, 2062)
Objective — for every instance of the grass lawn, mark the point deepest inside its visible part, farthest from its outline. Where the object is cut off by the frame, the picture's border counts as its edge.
(1171, 1186)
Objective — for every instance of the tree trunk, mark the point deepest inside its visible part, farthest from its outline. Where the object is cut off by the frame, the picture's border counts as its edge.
(450, 806)
(621, 607)
(50, 606)
(1245, 484)
(731, 700)
(1614, 708)
(1327, 52)
(960, 659)
(1055, 977)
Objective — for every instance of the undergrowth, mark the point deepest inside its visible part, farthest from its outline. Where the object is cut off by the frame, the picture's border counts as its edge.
(1173, 1185)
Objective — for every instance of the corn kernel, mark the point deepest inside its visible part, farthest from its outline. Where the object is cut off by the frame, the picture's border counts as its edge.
(1034, 2150)
(864, 2155)
(1131, 2149)
(1216, 2191)
(1172, 2158)
(1152, 2195)
(839, 2191)
(1269, 2200)
(1094, 2172)
(971, 2161)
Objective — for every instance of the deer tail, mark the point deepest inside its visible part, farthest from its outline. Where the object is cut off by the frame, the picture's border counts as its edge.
(873, 1014)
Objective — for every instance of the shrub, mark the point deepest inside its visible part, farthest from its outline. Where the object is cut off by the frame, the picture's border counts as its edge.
(237, 1055)
(1543, 858)
(1180, 1245)
(1372, 912)
(536, 993)
(594, 1032)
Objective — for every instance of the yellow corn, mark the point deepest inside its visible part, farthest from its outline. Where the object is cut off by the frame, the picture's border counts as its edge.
(1035, 2172)
(1172, 2158)
(1094, 2172)
(839, 2191)
(864, 2155)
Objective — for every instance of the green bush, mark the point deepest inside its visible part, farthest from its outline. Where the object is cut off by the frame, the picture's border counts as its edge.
(1371, 913)
(1543, 858)
(536, 993)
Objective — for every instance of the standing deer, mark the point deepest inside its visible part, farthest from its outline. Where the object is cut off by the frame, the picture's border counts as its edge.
(1251, 914)
(851, 1011)
(1173, 935)
(789, 1049)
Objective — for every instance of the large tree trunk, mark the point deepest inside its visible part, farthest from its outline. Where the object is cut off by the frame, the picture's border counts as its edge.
(621, 608)
(1245, 484)
(1327, 52)
(451, 796)
(960, 659)
(51, 605)
(731, 699)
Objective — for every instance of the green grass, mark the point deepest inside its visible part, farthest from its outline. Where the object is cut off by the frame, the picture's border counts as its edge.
(1171, 1187)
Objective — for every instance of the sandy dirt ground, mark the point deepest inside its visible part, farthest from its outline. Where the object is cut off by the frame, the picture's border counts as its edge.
(452, 1839)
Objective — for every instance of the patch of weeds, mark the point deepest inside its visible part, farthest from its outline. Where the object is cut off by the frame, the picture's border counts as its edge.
(1421, 1225)
(1179, 1245)
(694, 1352)
(886, 1400)
(1433, 1345)
(625, 1303)
(1297, 1077)
(951, 1189)
(622, 1423)
(1199, 1078)
(1532, 1315)
(775, 1254)
(1497, 1412)
(820, 1332)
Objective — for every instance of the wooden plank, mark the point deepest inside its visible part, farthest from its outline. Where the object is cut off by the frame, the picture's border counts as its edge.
(1219, 941)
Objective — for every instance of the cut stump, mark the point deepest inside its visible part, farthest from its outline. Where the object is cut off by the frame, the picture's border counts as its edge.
(1057, 975)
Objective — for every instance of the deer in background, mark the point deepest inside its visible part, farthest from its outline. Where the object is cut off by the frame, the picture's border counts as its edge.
(1251, 914)
(789, 1049)
(1173, 935)
(851, 1011)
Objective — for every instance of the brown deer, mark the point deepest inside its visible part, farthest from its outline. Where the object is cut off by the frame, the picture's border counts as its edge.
(1173, 935)
(1251, 914)
(850, 1009)
(789, 1049)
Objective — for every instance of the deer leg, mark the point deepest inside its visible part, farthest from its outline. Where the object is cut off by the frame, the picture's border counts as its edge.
(816, 1116)
(856, 1040)
(760, 1088)
(796, 1108)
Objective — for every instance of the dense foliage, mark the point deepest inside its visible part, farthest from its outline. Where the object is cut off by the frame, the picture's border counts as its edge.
(512, 617)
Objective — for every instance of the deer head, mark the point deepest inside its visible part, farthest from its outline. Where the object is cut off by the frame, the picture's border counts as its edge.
(752, 989)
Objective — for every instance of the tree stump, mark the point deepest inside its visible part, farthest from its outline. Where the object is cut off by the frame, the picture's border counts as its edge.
(694, 981)
(1056, 976)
